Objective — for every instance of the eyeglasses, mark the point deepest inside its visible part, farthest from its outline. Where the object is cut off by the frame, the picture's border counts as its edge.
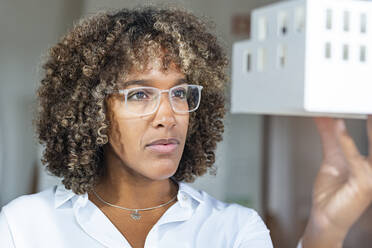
(146, 100)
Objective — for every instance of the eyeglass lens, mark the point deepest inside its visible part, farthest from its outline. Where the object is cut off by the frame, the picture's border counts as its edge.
(144, 100)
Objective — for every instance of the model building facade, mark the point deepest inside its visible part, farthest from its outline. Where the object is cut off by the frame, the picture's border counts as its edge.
(306, 57)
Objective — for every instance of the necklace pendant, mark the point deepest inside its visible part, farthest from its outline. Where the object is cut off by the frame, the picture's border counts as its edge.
(135, 215)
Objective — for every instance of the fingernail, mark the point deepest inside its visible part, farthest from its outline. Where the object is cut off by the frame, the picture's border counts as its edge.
(341, 125)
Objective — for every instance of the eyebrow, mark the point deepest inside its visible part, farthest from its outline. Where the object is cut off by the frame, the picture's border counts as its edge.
(147, 82)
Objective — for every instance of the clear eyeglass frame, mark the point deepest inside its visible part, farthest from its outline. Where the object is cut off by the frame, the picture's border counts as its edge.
(125, 92)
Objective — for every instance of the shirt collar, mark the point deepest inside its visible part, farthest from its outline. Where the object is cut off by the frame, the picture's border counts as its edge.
(63, 195)
(190, 191)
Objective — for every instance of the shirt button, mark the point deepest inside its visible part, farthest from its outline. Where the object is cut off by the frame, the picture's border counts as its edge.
(184, 197)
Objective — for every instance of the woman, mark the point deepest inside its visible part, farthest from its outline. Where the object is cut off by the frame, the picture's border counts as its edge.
(124, 124)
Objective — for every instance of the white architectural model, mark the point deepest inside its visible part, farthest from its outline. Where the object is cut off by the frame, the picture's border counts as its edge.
(306, 57)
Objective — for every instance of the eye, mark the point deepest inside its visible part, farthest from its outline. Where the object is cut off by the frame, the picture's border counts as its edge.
(138, 95)
(179, 92)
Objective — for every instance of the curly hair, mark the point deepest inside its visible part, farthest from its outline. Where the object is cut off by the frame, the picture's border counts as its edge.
(87, 63)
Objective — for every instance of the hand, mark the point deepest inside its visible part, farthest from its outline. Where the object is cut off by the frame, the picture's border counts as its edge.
(343, 186)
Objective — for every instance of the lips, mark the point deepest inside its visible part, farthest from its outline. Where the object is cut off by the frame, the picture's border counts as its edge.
(164, 142)
(163, 145)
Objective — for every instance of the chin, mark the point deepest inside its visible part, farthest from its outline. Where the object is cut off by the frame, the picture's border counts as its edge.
(161, 171)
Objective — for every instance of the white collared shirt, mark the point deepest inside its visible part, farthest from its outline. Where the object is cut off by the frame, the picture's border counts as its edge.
(59, 218)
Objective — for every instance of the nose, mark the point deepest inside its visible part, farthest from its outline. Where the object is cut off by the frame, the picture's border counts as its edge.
(164, 116)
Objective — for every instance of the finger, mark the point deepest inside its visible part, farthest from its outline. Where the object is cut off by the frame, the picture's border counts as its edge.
(369, 132)
(347, 143)
(327, 130)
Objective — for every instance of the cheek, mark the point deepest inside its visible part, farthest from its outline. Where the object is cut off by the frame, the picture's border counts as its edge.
(125, 135)
(184, 123)
(132, 135)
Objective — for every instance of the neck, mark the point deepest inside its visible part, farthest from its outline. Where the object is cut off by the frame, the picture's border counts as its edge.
(122, 186)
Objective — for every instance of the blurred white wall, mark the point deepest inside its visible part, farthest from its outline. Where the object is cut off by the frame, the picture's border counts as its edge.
(28, 28)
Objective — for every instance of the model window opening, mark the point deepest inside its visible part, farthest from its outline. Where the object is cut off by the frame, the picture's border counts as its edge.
(363, 23)
(262, 28)
(328, 51)
(282, 56)
(261, 54)
(248, 61)
(299, 19)
(346, 21)
(329, 19)
(363, 54)
(283, 23)
(345, 52)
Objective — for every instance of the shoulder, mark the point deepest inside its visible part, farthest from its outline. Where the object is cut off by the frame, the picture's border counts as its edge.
(233, 213)
(244, 225)
(238, 225)
(218, 205)
(31, 203)
(21, 215)
(236, 213)
(30, 209)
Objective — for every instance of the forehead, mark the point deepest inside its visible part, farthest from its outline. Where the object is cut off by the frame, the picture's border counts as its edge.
(153, 74)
